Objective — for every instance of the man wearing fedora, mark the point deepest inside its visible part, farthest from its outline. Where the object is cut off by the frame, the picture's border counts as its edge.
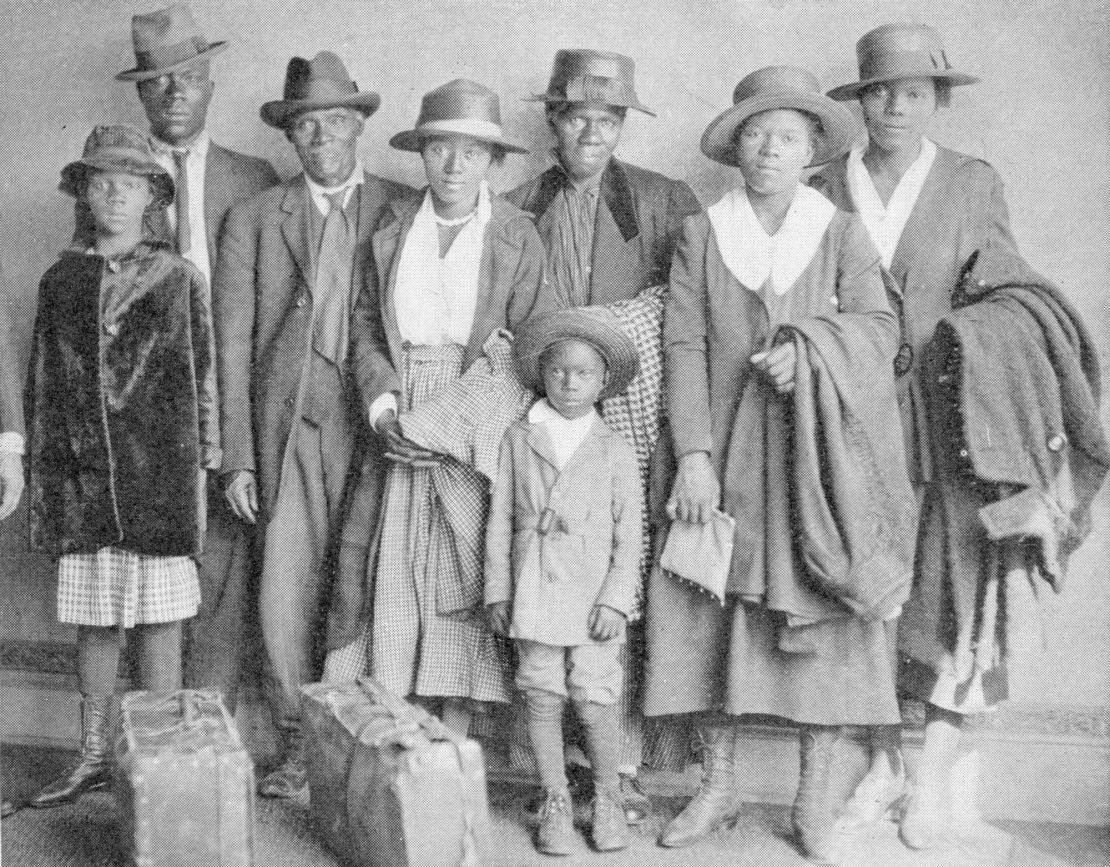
(610, 229)
(171, 74)
(290, 264)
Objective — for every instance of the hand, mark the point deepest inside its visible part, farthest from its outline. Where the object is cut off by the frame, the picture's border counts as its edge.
(778, 366)
(606, 623)
(400, 449)
(11, 482)
(242, 496)
(497, 614)
(696, 491)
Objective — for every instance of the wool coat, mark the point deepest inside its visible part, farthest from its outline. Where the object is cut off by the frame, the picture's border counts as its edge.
(120, 423)
(639, 221)
(961, 209)
(585, 552)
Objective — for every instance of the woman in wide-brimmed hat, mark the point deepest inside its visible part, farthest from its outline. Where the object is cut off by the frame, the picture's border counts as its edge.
(777, 304)
(452, 265)
(928, 209)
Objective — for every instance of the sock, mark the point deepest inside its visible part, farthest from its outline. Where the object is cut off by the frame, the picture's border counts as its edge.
(545, 729)
(602, 727)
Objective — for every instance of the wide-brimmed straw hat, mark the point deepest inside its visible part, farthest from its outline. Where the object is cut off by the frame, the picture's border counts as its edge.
(596, 326)
(895, 51)
(166, 41)
(776, 87)
(312, 85)
(589, 75)
(459, 107)
(118, 149)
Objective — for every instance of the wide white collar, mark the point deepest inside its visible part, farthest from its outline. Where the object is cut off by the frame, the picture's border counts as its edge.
(753, 256)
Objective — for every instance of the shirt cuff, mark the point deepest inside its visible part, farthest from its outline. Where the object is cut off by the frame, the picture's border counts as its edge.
(382, 403)
(10, 441)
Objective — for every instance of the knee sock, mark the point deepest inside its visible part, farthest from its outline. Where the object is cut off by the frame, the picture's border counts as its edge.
(545, 729)
(160, 656)
(602, 725)
(98, 650)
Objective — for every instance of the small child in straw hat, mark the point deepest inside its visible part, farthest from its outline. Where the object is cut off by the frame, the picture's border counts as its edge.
(563, 554)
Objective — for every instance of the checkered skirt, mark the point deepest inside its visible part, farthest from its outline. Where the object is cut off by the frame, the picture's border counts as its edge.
(114, 587)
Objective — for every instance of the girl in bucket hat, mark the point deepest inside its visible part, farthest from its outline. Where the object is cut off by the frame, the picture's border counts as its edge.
(772, 259)
(928, 209)
(451, 266)
(120, 434)
(563, 554)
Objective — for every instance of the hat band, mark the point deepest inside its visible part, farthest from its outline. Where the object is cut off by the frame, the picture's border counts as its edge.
(595, 88)
(170, 55)
(480, 129)
(904, 64)
(320, 90)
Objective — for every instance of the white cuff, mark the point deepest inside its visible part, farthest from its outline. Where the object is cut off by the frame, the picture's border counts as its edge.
(382, 403)
(10, 441)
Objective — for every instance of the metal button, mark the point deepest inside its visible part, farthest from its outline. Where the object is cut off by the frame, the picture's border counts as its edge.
(1056, 442)
(944, 379)
(111, 328)
(963, 453)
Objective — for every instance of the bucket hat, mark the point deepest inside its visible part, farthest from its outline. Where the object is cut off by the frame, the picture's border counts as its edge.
(167, 40)
(118, 149)
(895, 51)
(781, 87)
(596, 326)
(589, 75)
(459, 107)
(311, 85)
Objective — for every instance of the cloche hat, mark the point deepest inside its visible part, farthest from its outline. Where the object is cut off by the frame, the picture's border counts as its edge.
(118, 149)
(781, 87)
(459, 107)
(895, 51)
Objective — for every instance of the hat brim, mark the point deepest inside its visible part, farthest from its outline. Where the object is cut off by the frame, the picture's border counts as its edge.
(144, 74)
(280, 112)
(594, 326)
(552, 99)
(413, 140)
(839, 124)
(848, 92)
(75, 174)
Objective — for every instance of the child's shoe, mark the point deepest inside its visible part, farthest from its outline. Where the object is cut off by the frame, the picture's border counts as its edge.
(637, 806)
(610, 827)
(556, 833)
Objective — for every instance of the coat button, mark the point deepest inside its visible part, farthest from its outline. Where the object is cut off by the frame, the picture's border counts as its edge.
(300, 299)
(1056, 442)
(111, 328)
(963, 453)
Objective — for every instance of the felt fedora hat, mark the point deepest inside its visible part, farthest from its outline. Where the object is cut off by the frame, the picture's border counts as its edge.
(459, 107)
(118, 149)
(596, 326)
(895, 51)
(781, 87)
(165, 41)
(319, 83)
(589, 75)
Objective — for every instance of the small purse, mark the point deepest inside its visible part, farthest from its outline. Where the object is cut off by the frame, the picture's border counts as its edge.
(701, 553)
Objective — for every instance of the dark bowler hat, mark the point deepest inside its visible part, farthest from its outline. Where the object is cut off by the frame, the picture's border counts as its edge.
(166, 41)
(311, 85)
(459, 107)
(588, 75)
(781, 87)
(595, 325)
(895, 51)
(118, 149)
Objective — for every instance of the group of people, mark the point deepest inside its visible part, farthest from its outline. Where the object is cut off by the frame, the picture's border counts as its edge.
(442, 437)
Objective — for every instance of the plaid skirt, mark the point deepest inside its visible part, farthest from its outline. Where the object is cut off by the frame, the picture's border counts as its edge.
(114, 587)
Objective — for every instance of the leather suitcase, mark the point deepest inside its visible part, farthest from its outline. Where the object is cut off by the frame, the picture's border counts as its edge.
(390, 785)
(184, 782)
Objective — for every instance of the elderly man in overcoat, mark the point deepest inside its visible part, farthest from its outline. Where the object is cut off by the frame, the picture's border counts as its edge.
(290, 264)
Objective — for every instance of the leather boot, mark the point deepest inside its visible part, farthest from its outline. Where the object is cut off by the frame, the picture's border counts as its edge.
(815, 807)
(94, 766)
(290, 778)
(609, 827)
(556, 834)
(714, 804)
(925, 820)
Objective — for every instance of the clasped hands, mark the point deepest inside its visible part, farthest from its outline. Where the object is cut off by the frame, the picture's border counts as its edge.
(605, 623)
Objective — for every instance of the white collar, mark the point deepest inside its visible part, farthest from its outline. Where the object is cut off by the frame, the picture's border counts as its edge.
(542, 412)
(752, 255)
(885, 223)
(198, 147)
(482, 210)
(320, 193)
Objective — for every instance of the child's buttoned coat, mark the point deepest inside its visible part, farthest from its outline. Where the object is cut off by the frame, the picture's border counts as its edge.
(587, 550)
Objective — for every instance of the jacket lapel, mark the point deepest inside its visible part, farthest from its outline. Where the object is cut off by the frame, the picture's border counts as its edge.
(547, 188)
(540, 443)
(920, 228)
(591, 446)
(216, 186)
(616, 195)
(387, 243)
(494, 249)
(295, 228)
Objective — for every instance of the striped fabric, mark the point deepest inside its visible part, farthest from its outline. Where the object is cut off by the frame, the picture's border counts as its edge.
(114, 587)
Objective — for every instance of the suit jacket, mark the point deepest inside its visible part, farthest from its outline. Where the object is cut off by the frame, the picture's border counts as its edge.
(639, 222)
(11, 370)
(961, 209)
(119, 422)
(262, 297)
(589, 554)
